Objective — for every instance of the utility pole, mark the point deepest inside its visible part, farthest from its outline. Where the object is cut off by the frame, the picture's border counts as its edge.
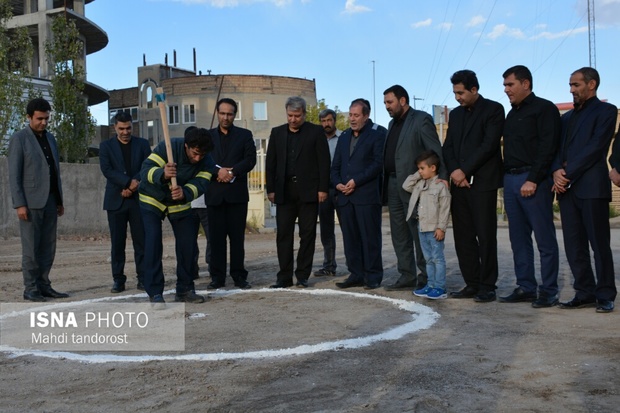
(374, 100)
(591, 34)
(414, 99)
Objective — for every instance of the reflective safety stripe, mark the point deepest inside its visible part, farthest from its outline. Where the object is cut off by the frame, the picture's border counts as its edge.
(152, 201)
(149, 175)
(157, 159)
(193, 189)
(204, 175)
(173, 209)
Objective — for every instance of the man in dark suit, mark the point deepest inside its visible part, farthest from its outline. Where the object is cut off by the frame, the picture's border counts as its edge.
(410, 133)
(614, 161)
(356, 173)
(120, 159)
(36, 191)
(297, 169)
(580, 179)
(227, 198)
(327, 222)
(472, 152)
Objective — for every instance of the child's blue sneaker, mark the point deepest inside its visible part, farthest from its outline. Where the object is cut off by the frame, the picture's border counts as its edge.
(422, 292)
(437, 294)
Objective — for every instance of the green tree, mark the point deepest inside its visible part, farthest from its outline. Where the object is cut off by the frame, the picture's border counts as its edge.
(312, 115)
(15, 53)
(71, 123)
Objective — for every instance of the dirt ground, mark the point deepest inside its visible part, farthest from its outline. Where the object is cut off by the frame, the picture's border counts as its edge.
(476, 357)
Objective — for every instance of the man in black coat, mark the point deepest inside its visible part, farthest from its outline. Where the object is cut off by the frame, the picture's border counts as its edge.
(120, 159)
(474, 161)
(227, 199)
(584, 192)
(297, 169)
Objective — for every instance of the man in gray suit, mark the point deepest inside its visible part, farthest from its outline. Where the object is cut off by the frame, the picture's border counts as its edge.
(36, 191)
(410, 133)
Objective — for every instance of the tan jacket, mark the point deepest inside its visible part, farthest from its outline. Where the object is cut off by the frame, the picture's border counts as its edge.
(434, 206)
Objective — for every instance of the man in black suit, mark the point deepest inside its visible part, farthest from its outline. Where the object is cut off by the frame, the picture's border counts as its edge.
(120, 160)
(580, 180)
(227, 199)
(297, 169)
(473, 157)
(357, 173)
(614, 161)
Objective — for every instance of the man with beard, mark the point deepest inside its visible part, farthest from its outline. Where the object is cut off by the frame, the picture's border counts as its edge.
(410, 133)
(472, 152)
(584, 192)
(120, 160)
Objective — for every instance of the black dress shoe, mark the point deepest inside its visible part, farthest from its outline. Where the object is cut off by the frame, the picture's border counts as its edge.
(466, 292)
(519, 295)
(485, 296)
(214, 285)
(578, 303)
(281, 285)
(302, 283)
(243, 285)
(118, 287)
(544, 301)
(400, 285)
(189, 297)
(140, 285)
(349, 284)
(604, 306)
(51, 293)
(372, 286)
(33, 296)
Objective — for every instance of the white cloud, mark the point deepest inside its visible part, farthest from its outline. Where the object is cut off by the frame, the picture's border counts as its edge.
(351, 8)
(445, 26)
(423, 23)
(558, 35)
(606, 12)
(501, 30)
(475, 21)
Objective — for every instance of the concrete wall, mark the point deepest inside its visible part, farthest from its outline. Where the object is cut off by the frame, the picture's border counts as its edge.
(83, 187)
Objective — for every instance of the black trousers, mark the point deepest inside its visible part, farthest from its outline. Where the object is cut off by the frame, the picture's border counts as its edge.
(227, 223)
(306, 214)
(128, 213)
(474, 223)
(585, 224)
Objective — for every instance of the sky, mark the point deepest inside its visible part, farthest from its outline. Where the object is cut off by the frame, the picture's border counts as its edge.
(358, 48)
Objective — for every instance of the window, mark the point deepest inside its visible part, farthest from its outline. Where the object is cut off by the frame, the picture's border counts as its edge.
(260, 110)
(261, 144)
(238, 117)
(173, 115)
(149, 97)
(150, 132)
(189, 113)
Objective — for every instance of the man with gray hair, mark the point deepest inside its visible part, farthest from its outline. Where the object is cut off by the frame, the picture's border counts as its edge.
(297, 170)
(327, 117)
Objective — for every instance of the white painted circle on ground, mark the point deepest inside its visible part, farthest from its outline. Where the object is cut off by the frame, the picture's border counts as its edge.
(422, 316)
